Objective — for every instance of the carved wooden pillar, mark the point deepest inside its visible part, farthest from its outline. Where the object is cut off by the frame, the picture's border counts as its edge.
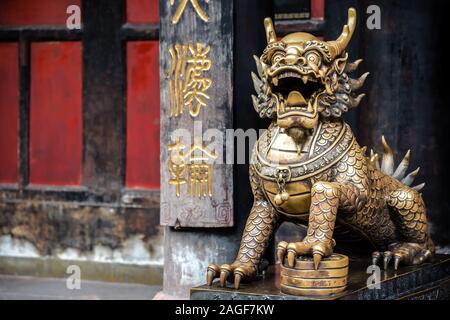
(196, 66)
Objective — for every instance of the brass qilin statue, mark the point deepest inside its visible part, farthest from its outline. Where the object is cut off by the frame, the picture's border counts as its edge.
(308, 168)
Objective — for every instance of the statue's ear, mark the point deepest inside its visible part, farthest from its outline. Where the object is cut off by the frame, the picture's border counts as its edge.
(340, 63)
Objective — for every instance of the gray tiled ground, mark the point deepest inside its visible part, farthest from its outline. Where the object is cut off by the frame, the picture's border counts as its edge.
(33, 288)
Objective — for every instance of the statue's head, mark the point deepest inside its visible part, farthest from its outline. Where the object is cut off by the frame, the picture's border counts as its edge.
(304, 78)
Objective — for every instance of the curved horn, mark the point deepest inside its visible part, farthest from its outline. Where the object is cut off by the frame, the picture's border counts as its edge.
(338, 46)
(270, 31)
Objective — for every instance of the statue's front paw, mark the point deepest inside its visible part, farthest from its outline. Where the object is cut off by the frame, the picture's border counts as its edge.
(235, 272)
(311, 247)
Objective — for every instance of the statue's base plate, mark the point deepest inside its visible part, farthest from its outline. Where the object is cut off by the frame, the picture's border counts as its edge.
(429, 281)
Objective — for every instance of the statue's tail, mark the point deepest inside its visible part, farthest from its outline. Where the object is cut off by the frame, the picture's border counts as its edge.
(387, 166)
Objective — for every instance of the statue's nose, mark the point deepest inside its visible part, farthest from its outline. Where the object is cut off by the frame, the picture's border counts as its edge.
(294, 59)
(291, 59)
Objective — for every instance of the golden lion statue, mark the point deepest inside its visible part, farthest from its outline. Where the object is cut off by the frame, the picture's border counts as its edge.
(307, 168)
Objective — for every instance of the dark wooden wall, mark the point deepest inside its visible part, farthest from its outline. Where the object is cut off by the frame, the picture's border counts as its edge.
(250, 39)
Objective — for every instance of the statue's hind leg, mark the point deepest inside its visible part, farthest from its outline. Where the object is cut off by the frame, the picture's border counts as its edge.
(411, 221)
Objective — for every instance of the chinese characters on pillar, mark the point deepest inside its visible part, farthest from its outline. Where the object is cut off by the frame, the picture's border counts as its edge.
(196, 91)
(188, 79)
(188, 85)
(182, 6)
(197, 163)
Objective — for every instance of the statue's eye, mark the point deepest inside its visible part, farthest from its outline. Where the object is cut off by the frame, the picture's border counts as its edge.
(276, 57)
(313, 57)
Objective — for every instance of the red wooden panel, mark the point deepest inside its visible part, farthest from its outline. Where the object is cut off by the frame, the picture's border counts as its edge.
(9, 112)
(317, 9)
(142, 162)
(143, 11)
(33, 12)
(55, 113)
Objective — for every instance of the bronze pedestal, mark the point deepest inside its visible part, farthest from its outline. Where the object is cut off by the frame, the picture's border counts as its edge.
(304, 280)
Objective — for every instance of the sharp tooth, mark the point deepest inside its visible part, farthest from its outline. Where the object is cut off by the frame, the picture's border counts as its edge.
(275, 81)
(305, 79)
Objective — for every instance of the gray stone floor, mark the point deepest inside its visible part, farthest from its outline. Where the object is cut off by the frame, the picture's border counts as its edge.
(33, 288)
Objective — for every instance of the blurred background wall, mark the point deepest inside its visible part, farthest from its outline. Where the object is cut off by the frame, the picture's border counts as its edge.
(79, 130)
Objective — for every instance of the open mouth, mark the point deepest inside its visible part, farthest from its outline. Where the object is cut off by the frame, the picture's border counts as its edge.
(295, 91)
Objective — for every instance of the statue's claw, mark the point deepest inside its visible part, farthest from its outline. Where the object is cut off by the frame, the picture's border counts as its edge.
(403, 253)
(239, 273)
(387, 258)
(230, 272)
(291, 258)
(225, 271)
(295, 249)
(322, 249)
(223, 277)
(237, 281)
(397, 259)
(316, 249)
(317, 258)
(212, 272)
(426, 255)
(376, 257)
(281, 251)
